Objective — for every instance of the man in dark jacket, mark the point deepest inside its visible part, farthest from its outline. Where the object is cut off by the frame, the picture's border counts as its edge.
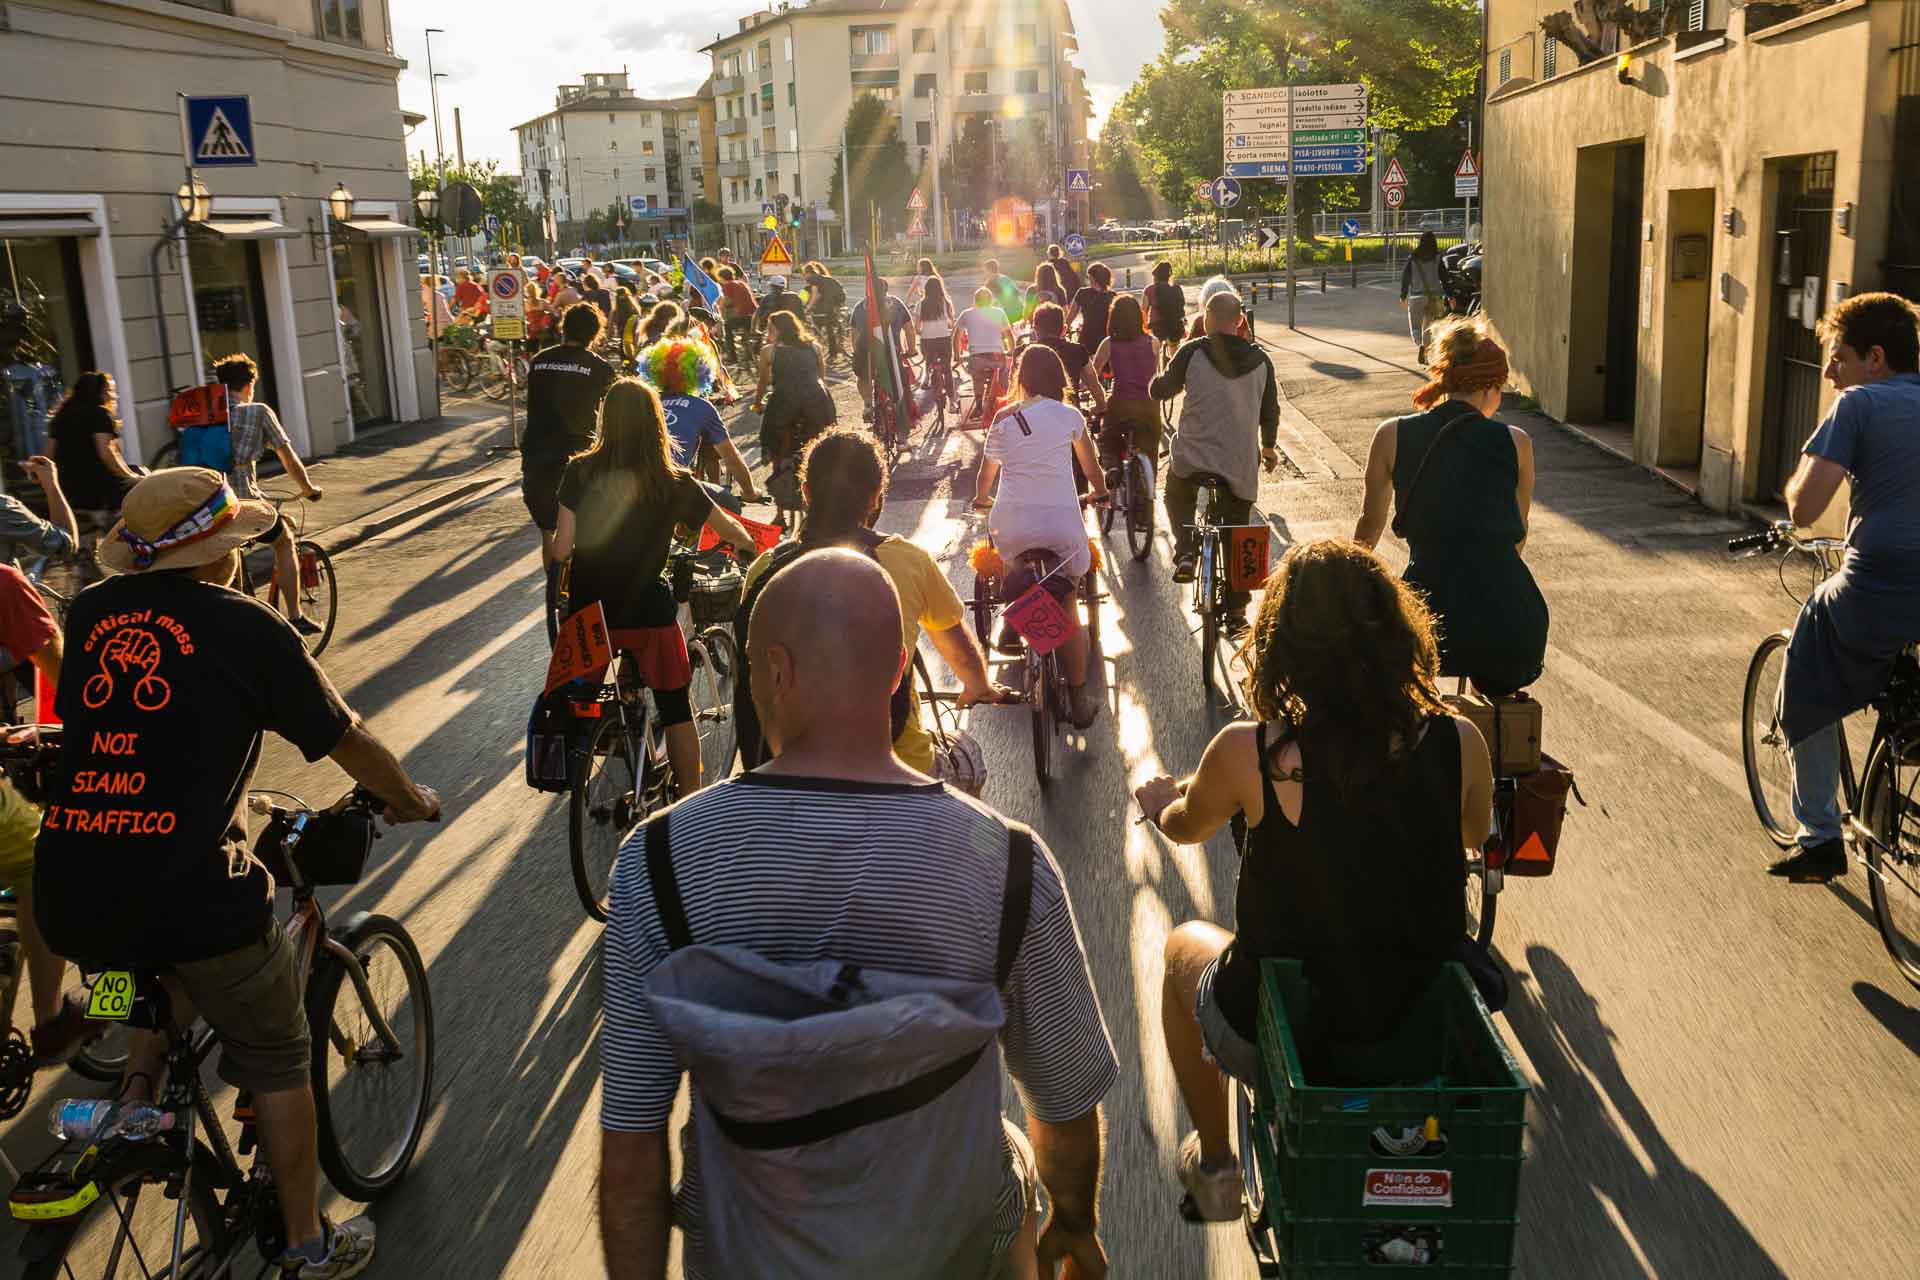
(1229, 428)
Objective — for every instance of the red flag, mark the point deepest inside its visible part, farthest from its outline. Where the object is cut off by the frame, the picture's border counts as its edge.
(883, 356)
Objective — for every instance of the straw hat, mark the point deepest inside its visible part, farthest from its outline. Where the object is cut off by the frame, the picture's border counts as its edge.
(181, 518)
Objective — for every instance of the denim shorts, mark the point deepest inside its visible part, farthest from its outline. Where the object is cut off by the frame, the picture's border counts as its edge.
(1225, 1048)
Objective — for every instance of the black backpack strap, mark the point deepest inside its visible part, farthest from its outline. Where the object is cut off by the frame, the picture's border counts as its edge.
(666, 889)
(1016, 903)
(1399, 525)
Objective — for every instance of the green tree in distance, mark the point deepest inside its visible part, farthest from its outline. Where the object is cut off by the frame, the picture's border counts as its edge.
(877, 166)
(1121, 189)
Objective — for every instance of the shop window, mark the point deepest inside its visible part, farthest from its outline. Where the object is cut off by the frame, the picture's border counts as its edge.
(356, 280)
(45, 341)
(230, 302)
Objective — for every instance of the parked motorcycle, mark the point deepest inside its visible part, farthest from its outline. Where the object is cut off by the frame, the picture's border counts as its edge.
(1460, 276)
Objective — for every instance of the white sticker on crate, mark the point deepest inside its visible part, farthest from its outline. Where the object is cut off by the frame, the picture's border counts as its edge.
(1432, 1187)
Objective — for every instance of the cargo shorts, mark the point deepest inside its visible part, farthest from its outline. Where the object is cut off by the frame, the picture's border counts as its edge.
(19, 828)
(252, 999)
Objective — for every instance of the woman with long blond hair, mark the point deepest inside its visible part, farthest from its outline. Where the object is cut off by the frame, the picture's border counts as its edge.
(1360, 795)
(621, 501)
(1460, 485)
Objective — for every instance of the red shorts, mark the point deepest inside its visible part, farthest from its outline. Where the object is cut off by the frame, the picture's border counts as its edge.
(659, 652)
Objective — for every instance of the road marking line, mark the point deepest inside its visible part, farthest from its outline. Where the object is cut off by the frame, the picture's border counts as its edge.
(1711, 761)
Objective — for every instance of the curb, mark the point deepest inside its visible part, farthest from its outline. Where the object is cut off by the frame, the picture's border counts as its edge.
(344, 537)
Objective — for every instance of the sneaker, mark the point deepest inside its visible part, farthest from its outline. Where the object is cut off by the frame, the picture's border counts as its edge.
(349, 1250)
(65, 1034)
(1083, 705)
(1213, 1195)
(1812, 864)
(307, 626)
(1183, 567)
(1009, 641)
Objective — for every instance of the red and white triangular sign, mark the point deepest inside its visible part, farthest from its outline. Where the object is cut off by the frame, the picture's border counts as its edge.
(916, 200)
(918, 227)
(1469, 167)
(1395, 175)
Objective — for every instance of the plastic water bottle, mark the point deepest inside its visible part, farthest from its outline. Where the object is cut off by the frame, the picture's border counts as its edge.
(93, 1120)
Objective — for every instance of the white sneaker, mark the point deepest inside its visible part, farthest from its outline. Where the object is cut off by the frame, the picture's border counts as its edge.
(349, 1251)
(1213, 1194)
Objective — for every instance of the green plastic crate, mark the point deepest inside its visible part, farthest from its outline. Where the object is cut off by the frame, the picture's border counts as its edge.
(1321, 1162)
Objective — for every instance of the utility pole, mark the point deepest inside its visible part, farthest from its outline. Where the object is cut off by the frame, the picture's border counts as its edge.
(1373, 197)
(460, 150)
(939, 209)
(439, 149)
(846, 196)
(1293, 215)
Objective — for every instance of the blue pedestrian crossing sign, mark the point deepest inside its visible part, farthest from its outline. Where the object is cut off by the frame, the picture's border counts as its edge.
(1079, 181)
(220, 132)
(1076, 245)
(1350, 228)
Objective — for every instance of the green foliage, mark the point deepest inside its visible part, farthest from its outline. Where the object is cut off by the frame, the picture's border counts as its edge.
(1122, 187)
(877, 166)
(1417, 58)
(500, 194)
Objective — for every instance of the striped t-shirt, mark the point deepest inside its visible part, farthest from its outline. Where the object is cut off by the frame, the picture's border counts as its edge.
(896, 876)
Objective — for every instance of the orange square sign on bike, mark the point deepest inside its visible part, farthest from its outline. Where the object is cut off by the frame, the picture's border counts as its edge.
(581, 648)
(775, 254)
(1247, 557)
(1040, 620)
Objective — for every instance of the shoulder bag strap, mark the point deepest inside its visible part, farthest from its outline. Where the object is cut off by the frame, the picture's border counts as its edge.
(1413, 485)
(1016, 903)
(666, 888)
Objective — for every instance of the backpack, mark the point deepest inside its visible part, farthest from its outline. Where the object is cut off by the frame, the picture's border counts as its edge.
(848, 1120)
(199, 407)
(201, 415)
(209, 446)
(555, 731)
(746, 718)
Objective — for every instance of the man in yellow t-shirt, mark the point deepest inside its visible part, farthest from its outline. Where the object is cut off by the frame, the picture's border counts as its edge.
(844, 480)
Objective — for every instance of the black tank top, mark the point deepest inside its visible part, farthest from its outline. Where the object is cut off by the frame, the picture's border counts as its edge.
(1370, 893)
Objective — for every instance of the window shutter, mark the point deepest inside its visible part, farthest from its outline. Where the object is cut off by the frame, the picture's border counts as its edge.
(1550, 59)
(1506, 65)
(1697, 15)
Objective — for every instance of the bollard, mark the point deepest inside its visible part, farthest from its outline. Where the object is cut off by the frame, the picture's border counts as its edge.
(1355, 282)
(1129, 277)
(1323, 279)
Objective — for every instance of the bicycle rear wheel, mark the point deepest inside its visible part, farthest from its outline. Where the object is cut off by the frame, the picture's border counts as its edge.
(1482, 906)
(456, 369)
(1763, 743)
(1040, 690)
(494, 379)
(716, 664)
(1253, 1179)
(319, 592)
(604, 806)
(1206, 601)
(128, 1231)
(1116, 499)
(370, 1096)
(1891, 799)
(1139, 484)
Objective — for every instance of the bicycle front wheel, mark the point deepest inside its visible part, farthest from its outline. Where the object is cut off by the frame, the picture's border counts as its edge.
(716, 665)
(1139, 508)
(604, 806)
(1482, 905)
(371, 1092)
(1763, 743)
(456, 369)
(494, 379)
(1891, 800)
(319, 593)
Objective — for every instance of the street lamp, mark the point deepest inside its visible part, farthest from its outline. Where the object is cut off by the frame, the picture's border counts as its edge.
(340, 203)
(426, 208)
(193, 200)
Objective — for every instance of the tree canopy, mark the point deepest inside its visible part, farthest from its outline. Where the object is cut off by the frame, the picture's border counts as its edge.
(877, 166)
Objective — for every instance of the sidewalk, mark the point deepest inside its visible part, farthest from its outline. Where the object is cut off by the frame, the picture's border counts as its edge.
(392, 474)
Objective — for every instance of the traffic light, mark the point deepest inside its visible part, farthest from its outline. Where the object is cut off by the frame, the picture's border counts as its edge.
(798, 215)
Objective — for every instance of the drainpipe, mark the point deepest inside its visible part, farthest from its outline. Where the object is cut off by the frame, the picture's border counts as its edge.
(159, 300)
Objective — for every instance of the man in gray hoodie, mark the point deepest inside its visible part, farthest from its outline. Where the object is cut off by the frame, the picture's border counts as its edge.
(1229, 423)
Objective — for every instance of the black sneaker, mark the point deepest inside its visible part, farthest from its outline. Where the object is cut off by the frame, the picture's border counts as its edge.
(1812, 864)
(307, 626)
(1235, 626)
(1183, 568)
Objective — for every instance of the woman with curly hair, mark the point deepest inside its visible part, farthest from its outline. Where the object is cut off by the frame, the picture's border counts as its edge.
(685, 372)
(1460, 483)
(1360, 795)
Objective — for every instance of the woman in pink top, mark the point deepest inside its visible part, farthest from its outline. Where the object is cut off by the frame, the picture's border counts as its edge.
(1128, 351)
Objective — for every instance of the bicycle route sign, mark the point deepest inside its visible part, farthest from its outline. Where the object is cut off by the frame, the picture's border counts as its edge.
(507, 303)
(1076, 245)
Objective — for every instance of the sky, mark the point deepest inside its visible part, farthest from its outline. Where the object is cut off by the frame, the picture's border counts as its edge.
(659, 47)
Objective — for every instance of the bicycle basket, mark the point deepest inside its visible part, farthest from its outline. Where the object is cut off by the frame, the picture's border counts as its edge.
(332, 850)
(716, 598)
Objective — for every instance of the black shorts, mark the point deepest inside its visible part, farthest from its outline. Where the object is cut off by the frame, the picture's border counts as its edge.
(540, 488)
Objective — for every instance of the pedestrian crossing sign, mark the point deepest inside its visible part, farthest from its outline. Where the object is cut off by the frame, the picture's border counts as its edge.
(775, 254)
(219, 131)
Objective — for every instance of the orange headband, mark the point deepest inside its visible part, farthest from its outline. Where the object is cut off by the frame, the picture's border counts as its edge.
(1486, 368)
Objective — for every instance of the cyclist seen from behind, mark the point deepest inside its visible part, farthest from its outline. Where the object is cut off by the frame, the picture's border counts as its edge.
(252, 429)
(934, 313)
(621, 503)
(1229, 428)
(987, 337)
(866, 331)
(685, 371)
(1361, 795)
(1461, 484)
(1856, 622)
(1049, 327)
(1128, 352)
(1030, 453)
(1166, 306)
(826, 298)
(565, 385)
(170, 681)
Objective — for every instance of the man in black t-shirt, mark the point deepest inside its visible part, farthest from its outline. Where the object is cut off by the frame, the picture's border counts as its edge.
(565, 385)
(1050, 331)
(170, 681)
(778, 299)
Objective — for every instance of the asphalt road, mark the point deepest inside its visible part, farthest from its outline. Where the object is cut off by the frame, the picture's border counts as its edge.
(1723, 1067)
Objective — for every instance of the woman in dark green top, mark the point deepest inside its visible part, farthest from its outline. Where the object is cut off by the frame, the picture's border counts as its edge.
(1460, 485)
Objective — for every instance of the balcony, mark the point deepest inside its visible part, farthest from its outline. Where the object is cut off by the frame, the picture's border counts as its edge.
(1014, 105)
(874, 61)
(727, 86)
(976, 58)
(734, 128)
(735, 168)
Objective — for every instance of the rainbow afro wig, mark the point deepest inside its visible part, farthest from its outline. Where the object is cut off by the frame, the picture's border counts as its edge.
(680, 367)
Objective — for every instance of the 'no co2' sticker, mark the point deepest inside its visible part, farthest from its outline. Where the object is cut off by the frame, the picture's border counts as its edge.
(112, 996)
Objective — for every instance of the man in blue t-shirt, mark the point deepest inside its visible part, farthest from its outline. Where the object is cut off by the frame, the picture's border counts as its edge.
(1857, 621)
(684, 373)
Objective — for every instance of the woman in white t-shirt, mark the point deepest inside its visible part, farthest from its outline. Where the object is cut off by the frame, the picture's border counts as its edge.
(1030, 453)
(923, 271)
(933, 316)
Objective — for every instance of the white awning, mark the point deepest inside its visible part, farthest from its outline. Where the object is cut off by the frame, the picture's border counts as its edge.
(379, 228)
(248, 229)
(59, 223)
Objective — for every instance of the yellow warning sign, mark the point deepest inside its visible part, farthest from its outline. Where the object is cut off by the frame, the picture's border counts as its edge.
(776, 254)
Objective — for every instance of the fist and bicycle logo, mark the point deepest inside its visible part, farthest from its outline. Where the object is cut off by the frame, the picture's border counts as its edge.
(130, 649)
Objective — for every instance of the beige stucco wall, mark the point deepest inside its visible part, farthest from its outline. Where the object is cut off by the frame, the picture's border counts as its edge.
(1710, 119)
(87, 105)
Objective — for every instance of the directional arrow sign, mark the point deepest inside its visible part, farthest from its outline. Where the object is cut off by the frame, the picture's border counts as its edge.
(1226, 193)
(1241, 120)
(1350, 227)
(1269, 237)
(1304, 169)
(1303, 154)
(1330, 138)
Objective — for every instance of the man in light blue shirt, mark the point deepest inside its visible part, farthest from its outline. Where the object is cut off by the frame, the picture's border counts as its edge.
(1856, 622)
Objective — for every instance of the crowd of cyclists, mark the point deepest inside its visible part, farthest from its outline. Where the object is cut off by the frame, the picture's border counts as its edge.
(845, 861)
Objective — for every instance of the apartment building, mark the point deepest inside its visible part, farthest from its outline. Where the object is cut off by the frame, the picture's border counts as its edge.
(1672, 200)
(783, 83)
(603, 145)
(96, 270)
